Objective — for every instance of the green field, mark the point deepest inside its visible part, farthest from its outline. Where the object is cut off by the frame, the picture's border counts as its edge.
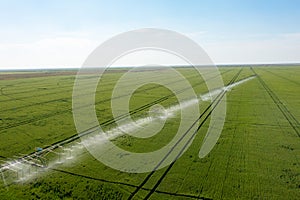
(256, 157)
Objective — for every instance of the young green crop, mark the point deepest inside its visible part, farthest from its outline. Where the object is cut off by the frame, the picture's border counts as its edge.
(256, 157)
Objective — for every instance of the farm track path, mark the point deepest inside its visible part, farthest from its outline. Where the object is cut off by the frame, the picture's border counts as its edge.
(207, 112)
(283, 109)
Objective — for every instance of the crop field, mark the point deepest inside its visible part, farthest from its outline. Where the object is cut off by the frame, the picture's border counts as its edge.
(256, 157)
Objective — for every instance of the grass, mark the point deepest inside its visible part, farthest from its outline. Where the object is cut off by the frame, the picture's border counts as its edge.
(256, 157)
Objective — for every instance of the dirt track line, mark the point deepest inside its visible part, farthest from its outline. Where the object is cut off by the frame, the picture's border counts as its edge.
(194, 134)
(128, 184)
(67, 99)
(217, 100)
(107, 83)
(70, 88)
(283, 109)
(41, 117)
(230, 155)
(108, 122)
(275, 74)
(210, 165)
(203, 122)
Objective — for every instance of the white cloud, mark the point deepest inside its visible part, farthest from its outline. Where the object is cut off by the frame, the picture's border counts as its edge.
(71, 49)
(51, 52)
(280, 49)
(149, 58)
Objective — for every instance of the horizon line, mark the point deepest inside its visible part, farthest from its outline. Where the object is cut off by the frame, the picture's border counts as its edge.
(169, 65)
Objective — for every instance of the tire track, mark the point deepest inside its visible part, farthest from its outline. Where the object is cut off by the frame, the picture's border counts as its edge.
(208, 110)
(72, 138)
(283, 109)
(48, 115)
(283, 77)
(70, 88)
(128, 185)
(106, 123)
(65, 99)
(107, 83)
(206, 175)
(56, 74)
(38, 118)
(229, 153)
(50, 101)
(88, 76)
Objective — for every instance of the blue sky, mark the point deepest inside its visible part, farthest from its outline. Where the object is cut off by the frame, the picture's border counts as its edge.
(62, 33)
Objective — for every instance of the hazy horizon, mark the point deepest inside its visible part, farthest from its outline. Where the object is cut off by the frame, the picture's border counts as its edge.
(129, 66)
(63, 33)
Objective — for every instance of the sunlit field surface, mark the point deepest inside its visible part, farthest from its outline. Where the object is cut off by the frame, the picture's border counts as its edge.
(256, 157)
